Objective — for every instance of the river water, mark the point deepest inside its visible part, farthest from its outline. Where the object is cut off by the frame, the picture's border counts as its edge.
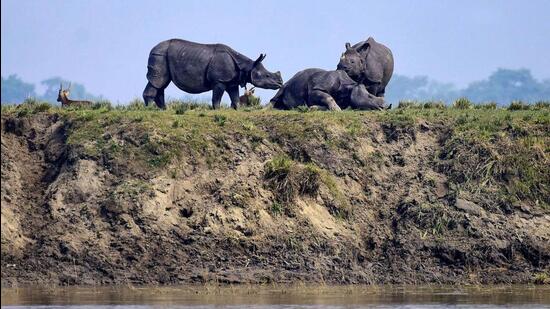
(278, 297)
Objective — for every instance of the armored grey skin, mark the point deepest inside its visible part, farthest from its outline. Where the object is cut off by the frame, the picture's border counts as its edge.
(197, 68)
(334, 90)
(370, 63)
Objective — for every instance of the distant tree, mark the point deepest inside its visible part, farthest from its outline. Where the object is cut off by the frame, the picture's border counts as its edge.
(418, 88)
(506, 85)
(14, 90)
(78, 91)
(503, 86)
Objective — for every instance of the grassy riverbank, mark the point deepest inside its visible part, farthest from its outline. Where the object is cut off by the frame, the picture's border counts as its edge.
(419, 194)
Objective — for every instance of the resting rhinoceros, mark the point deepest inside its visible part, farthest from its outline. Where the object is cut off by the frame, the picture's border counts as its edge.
(331, 89)
(369, 63)
(197, 68)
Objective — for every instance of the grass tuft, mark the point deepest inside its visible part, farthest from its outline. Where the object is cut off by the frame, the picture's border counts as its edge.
(518, 106)
(462, 103)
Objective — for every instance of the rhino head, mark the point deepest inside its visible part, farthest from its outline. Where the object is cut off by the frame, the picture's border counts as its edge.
(352, 62)
(262, 78)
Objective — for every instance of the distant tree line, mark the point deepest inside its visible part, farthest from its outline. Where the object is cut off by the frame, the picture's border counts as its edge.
(501, 87)
(15, 90)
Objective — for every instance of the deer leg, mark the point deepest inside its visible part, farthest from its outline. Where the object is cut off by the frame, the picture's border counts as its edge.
(149, 94)
(233, 92)
(217, 93)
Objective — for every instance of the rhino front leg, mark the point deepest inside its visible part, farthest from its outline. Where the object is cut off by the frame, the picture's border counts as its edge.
(217, 93)
(381, 92)
(159, 99)
(321, 98)
(233, 92)
(376, 89)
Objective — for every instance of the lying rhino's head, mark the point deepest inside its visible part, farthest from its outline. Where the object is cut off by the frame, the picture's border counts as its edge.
(260, 77)
(351, 62)
(361, 99)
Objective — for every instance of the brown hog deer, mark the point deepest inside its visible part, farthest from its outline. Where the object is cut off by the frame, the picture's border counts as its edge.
(248, 99)
(63, 97)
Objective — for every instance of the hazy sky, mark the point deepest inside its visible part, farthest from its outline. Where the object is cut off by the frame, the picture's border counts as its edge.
(104, 44)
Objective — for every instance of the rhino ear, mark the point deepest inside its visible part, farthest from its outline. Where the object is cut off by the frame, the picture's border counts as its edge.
(260, 59)
(363, 46)
(348, 45)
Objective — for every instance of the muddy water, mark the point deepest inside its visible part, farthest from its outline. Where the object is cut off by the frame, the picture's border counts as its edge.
(278, 297)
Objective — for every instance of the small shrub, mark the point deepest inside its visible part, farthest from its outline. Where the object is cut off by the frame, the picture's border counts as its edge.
(541, 278)
(248, 125)
(277, 208)
(278, 174)
(102, 104)
(180, 107)
(30, 101)
(220, 120)
(42, 107)
(32, 106)
(22, 112)
(434, 104)
(137, 104)
(310, 180)
(518, 106)
(541, 105)
(462, 103)
(409, 104)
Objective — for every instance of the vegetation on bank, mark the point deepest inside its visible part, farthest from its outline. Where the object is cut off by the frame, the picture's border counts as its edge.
(448, 192)
(487, 150)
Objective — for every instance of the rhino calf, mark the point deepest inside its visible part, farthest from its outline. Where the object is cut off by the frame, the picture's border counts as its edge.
(197, 68)
(334, 90)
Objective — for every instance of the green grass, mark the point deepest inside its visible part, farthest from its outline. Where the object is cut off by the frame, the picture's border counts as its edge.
(500, 152)
(463, 103)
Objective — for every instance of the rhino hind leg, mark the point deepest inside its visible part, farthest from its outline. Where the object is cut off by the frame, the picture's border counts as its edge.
(153, 94)
(321, 98)
(217, 93)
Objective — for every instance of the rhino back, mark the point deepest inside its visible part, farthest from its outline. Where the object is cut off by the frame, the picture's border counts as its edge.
(379, 63)
(332, 82)
(294, 91)
(188, 62)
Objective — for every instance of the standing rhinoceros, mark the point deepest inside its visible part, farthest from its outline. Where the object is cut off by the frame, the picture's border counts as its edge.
(328, 89)
(369, 63)
(197, 68)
